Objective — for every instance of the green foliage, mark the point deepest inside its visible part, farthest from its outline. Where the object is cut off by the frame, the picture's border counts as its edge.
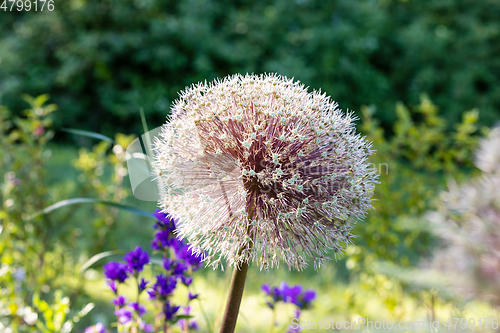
(414, 165)
(103, 60)
(39, 258)
(33, 259)
(92, 165)
(54, 316)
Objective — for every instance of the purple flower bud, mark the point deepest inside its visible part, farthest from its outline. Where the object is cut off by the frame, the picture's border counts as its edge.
(186, 280)
(309, 295)
(116, 271)
(193, 325)
(148, 328)
(163, 287)
(143, 285)
(175, 267)
(136, 259)
(276, 294)
(168, 263)
(265, 287)
(124, 315)
(192, 296)
(112, 285)
(169, 311)
(164, 222)
(120, 301)
(290, 294)
(138, 308)
(162, 239)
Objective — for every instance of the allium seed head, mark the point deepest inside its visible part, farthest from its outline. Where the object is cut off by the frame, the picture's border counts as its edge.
(467, 222)
(256, 168)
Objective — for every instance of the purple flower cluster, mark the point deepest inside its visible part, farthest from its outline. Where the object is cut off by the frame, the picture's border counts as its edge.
(136, 260)
(288, 294)
(117, 271)
(179, 262)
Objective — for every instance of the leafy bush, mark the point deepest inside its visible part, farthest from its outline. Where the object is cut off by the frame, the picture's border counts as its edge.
(102, 60)
(35, 266)
(40, 273)
(414, 165)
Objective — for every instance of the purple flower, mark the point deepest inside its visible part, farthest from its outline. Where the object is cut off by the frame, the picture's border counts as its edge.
(186, 280)
(193, 325)
(309, 295)
(116, 271)
(305, 299)
(295, 295)
(124, 315)
(192, 296)
(112, 285)
(175, 267)
(266, 288)
(136, 259)
(162, 239)
(164, 221)
(276, 294)
(290, 294)
(143, 285)
(163, 287)
(138, 308)
(120, 301)
(185, 253)
(148, 328)
(169, 311)
(97, 328)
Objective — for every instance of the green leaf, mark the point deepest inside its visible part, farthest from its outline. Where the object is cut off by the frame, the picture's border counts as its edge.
(69, 202)
(96, 258)
(40, 100)
(184, 317)
(89, 134)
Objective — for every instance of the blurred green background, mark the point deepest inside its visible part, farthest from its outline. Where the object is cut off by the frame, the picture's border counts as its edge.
(423, 76)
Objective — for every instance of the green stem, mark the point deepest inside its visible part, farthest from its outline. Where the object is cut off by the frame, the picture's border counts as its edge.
(234, 299)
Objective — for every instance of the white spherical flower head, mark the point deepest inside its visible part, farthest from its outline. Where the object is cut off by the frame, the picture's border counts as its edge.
(256, 168)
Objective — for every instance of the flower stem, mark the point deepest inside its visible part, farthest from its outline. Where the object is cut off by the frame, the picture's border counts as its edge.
(234, 299)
